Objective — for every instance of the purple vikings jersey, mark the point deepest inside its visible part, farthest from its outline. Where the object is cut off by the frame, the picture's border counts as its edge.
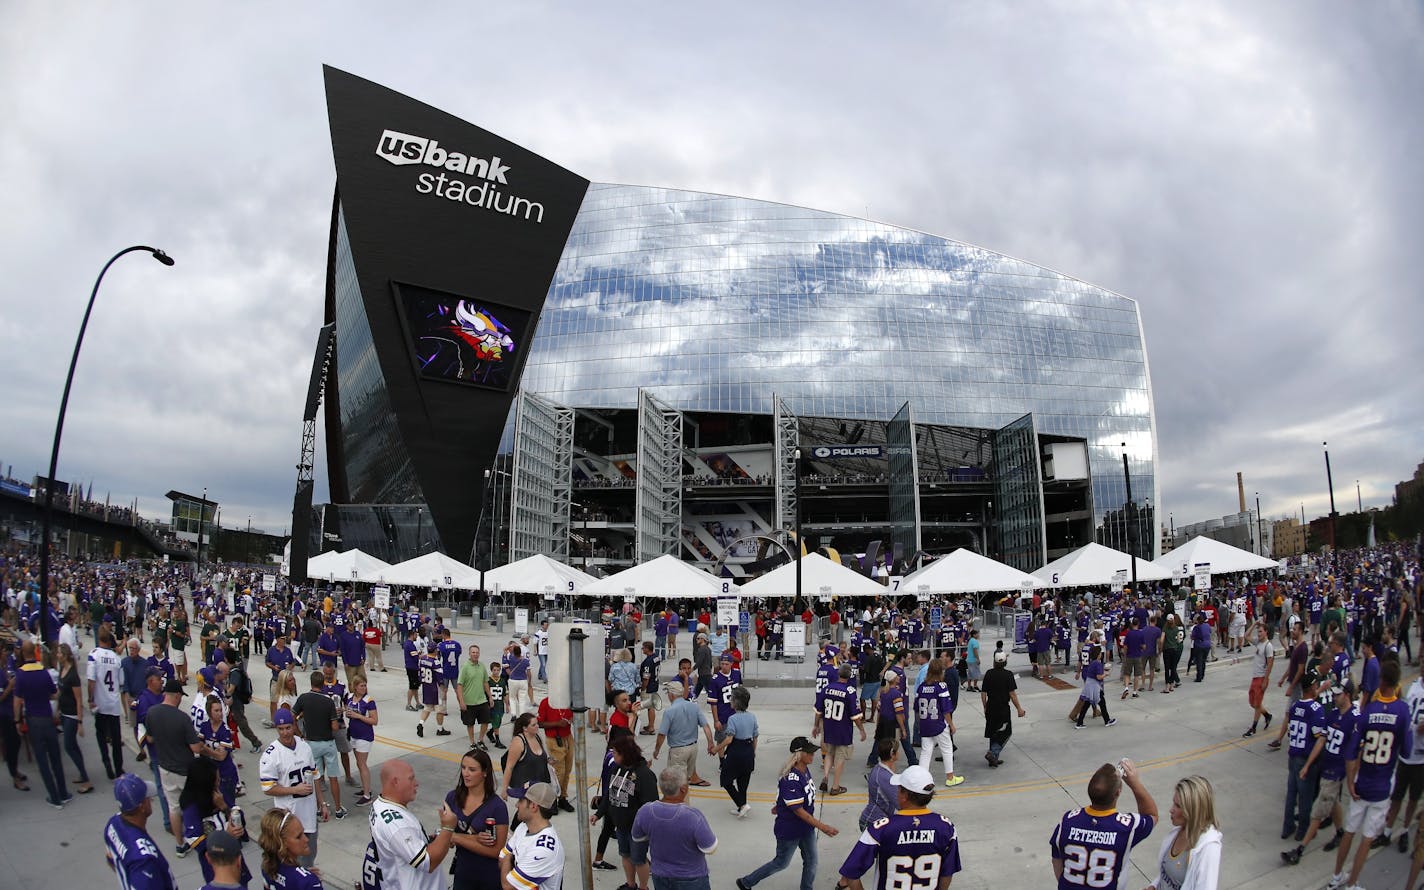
(839, 707)
(932, 706)
(1383, 734)
(1307, 723)
(795, 791)
(913, 850)
(826, 674)
(719, 692)
(1094, 845)
(1339, 730)
(136, 858)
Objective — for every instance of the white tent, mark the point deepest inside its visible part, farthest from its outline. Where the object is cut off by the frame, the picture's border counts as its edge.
(434, 569)
(537, 574)
(1222, 557)
(1095, 564)
(965, 571)
(353, 565)
(666, 576)
(818, 576)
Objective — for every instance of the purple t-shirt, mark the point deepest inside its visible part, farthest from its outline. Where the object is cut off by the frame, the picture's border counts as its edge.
(34, 686)
(1134, 643)
(795, 791)
(353, 647)
(678, 838)
(471, 869)
(1151, 636)
(1370, 675)
(359, 729)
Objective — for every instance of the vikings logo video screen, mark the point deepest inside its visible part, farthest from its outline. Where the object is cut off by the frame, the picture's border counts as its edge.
(463, 339)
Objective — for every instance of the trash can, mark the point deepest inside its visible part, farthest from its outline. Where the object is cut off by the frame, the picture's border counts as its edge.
(499, 622)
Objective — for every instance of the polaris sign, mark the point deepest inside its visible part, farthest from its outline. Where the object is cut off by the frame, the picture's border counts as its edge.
(842, 452)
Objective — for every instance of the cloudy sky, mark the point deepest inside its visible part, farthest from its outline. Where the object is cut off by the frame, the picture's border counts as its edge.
(1250, 173)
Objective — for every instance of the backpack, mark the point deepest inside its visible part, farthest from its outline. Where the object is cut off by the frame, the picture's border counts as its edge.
(242, 690)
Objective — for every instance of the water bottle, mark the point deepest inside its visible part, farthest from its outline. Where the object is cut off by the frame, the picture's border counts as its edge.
(235, 817)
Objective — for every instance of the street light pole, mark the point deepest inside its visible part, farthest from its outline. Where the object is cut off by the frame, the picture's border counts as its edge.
(46, 516)
(202, 518)
(1130, 523)
(1260, 531)
(796, 553)
(1359, 501)
(1330, 483)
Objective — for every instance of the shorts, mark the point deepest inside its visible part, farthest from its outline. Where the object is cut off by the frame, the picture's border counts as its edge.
(1408, 779)
(652, 701)
(324, 756)
(343, 740)
(1326, 799)
(1154, 662)
(361, 746)
(1132, 667)
(172, 788)
(1045, 657)
(1257, 693)
(474, 715)
(430, 695)
(412, 679)
(837, 753)
(178, 657)
(1366, 817)
(868, 691)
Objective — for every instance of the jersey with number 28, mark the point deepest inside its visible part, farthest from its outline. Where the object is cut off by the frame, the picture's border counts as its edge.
(1094, 846)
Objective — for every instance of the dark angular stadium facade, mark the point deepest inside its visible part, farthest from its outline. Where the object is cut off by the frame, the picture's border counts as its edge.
(465, 271)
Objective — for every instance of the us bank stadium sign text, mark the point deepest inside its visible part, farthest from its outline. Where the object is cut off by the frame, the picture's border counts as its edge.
(402, 149)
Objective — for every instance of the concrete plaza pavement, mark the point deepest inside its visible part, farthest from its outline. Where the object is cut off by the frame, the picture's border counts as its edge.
(1004, 816)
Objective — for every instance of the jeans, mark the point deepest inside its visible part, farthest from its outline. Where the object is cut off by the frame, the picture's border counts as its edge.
(1102, 704)
(11, 739)
(662, 883)
(1300, 796)
(71, 747)
(1198, 660)
(806, 843)
(162, 798)
(1170, 659)
(543, 668)
(44, 741)
(108, 734)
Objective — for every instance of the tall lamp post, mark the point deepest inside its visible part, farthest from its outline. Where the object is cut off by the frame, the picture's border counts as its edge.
(1130, 522)
(202, 519)
(1330, 483)
(46, 516)
(1260, 528)
(796, 553)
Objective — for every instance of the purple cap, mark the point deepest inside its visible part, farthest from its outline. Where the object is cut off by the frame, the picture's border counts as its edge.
(131, 791)
(284, 717)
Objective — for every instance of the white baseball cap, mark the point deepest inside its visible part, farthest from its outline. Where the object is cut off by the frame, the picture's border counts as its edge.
(915, 778)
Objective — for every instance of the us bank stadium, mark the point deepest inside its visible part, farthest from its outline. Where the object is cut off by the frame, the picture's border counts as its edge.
(518, 361)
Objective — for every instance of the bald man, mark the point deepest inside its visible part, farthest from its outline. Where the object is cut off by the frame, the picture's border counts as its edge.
(405, 857)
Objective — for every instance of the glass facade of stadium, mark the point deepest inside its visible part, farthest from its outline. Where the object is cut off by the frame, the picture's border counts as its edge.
(749, 318)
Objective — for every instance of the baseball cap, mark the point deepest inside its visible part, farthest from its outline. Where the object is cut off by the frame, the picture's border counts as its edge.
(542, 793)
(1348, 688)
(224, 844)
(916, 779)
(284, 717)
(724, 657)
(131, 791)
(802, 744)
(154, 671)
(1001, 657)
(171, 687)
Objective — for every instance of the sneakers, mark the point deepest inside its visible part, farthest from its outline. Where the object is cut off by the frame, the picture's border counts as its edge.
(498, 744)
(340, 813)
(606, 866)
(1333, 842)
(1077, 726)
(181, 850)
(420, 729)
(954, 781)
(1248, 733)
(745, 809)
(1112, 722)
(1380, 842)
(442, 731)
(563, 804)
(1268, 716)
(1337, 881)
(364, 800)
(1292, 857)
(1274, 745)
(1403, 842)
